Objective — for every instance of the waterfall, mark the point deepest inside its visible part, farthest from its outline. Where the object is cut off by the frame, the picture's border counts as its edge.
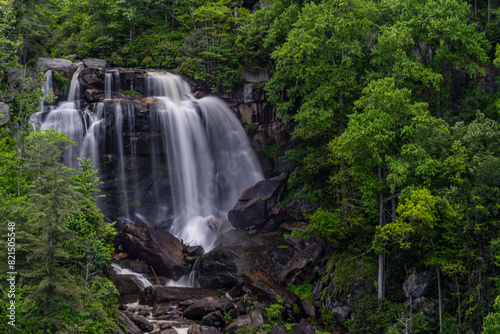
(181, 167)
(122, 178)
(139, 279)
(47, 87)
(90, 147)
(210, 161)
(66, 118)
(111, 83)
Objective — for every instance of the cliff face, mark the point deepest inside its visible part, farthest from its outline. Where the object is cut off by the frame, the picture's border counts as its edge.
(124, 135)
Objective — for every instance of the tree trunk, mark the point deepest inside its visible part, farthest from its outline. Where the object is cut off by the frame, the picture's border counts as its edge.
(438, 272)
(381, 256)
(26, 35)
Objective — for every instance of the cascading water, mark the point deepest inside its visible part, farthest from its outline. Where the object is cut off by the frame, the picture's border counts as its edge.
(122, 179)
(66, 118)
(111, 83)
(188, 159)
(90, 147)
(140, 279)
(210, 161)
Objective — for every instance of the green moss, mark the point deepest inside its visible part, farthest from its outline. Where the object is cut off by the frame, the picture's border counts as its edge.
(251, 126)
(129, 92)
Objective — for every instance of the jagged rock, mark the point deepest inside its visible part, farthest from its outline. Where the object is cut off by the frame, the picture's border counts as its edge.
(257, 317)
(129, 324)
(210, 330)
(425, 305)
(305, 327)
(167, 295)
(343, 311)
(4, 113)
(255, 202)
(240, 322)
(95, 63)
(204, 306)
(218, 269)
(302, 263)
(158, 248)
(141, 322)
(159, 310)
(416, 285)
(266, 289)
(309, 310)
(317, 290)
(49, 63)
(277, 330)
(94, 95)
(215, 319)
(125, 284)
(257, 76)
(236, 252)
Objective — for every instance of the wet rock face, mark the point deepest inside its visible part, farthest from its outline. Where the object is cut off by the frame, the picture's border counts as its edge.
(254, 203)
(236, 252)
(158, 248)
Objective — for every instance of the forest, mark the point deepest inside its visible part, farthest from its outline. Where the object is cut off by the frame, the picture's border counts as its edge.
(393, 113)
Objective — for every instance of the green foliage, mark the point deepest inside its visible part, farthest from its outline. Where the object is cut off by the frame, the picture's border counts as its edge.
(64, 82)
(246, 329)
(326, 225)
(274, 313)
(304, 291)
(372, 316)
(129, 92)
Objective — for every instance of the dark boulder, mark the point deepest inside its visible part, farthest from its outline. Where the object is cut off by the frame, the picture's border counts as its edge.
(309, 310)
(141, 322)
(255, 202)
(215, 319)
(167, 295)
(305, 327)
(416, 285)
(129, 324)
(302, 263)
(238, 323)
(236, 252)
(267, 290)
(158, 248)
(202, 307)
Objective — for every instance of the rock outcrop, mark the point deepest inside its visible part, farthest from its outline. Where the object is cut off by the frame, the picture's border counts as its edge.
(158, 248)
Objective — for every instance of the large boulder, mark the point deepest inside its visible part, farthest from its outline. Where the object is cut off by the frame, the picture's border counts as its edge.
(267, 290)
(128, 324)
(171, 295)
(126, 282)
(236, 252)
(255, 202)
(203, 307)
(305, 327)
(301, 265)
(416, 285)
(4, 113)
(158, 248)
(49, 63)
(96, 63)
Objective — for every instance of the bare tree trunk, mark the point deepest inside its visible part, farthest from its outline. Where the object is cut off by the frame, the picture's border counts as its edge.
(438, 273)
(26, 35)
(381, 256)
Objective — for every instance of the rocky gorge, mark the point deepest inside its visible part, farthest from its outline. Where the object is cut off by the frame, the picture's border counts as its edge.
(228, 266)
